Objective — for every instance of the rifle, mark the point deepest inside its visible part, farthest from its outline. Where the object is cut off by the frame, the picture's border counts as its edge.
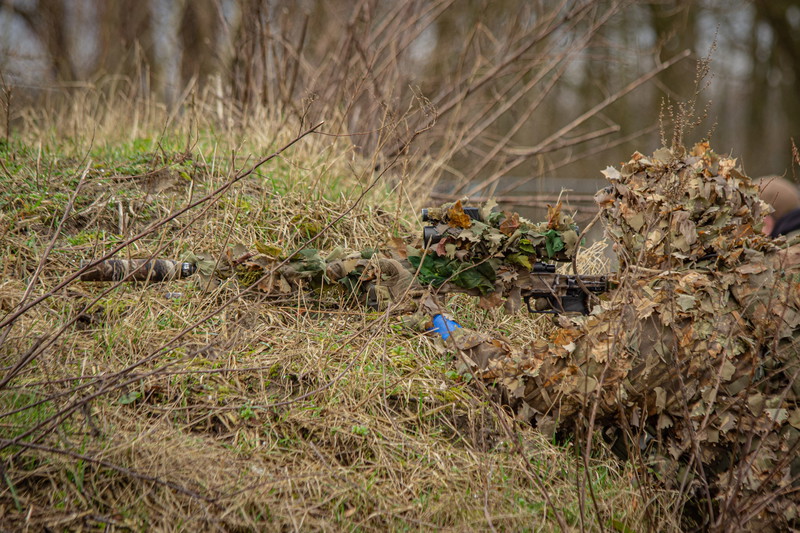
(466, 250)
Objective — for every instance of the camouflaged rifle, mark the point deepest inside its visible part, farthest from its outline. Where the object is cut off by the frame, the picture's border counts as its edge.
(499, 257)
(148, 270)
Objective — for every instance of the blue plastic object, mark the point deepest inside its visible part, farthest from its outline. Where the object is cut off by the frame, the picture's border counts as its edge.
(444, 326)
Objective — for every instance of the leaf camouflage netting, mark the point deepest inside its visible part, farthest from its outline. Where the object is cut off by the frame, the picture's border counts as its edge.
(501, 234)
(695, 355)
(490, 252)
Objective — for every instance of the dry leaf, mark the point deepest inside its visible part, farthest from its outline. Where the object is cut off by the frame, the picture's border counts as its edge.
(510, 224)
(457, 218)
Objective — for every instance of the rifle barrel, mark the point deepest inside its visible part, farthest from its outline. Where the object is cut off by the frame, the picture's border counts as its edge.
(151, 270)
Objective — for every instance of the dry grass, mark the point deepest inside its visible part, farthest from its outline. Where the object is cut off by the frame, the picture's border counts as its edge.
(217, 410)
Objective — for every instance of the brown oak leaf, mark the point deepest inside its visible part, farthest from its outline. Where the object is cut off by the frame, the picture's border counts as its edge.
(457, 218)
(510, 224)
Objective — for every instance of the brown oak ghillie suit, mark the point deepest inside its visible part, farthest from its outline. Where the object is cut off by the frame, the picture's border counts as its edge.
(695, 356)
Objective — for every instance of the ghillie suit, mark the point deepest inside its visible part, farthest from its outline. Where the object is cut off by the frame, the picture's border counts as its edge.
(693, 360)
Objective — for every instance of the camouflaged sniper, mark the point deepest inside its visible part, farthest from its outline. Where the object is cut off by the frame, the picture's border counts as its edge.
(693, 360)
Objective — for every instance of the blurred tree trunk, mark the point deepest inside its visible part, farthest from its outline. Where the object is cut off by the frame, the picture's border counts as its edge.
(757, 101)
(269, 47)
(674, 27)
(47, 21)
(786, 37)
(248, 66)
(199, 32)
(123, 25)
(782, 68)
